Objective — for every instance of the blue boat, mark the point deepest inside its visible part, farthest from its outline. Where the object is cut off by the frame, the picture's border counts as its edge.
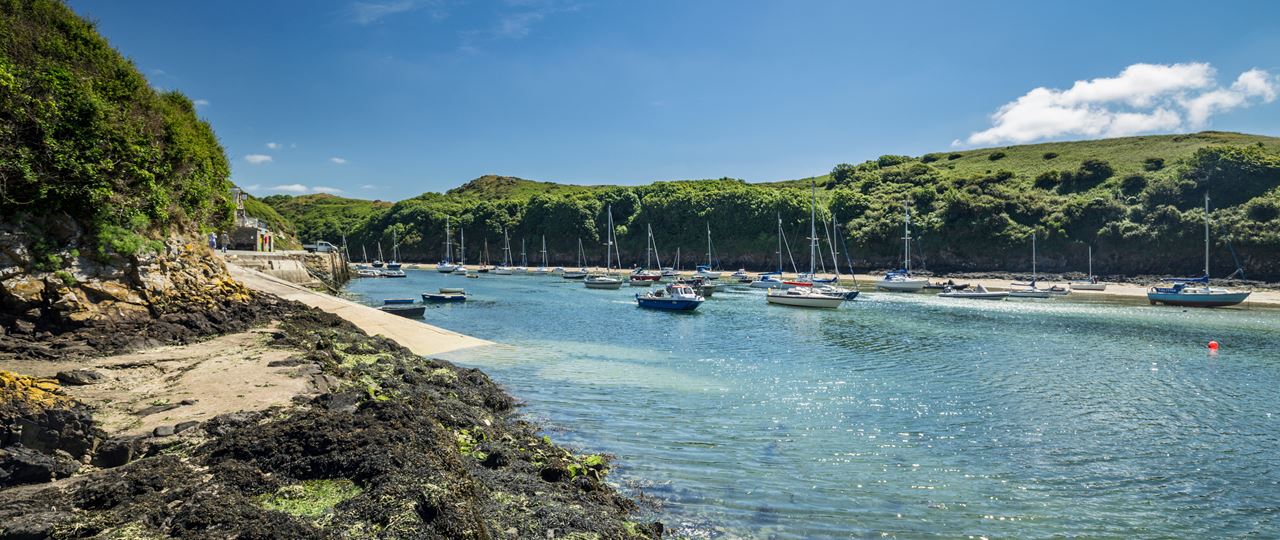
(440, 298)
(397, 301)
(674, 297)
(1195, 292)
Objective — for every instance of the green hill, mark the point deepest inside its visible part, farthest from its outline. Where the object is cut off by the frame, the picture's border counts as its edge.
(1136, 200)
(83, 135)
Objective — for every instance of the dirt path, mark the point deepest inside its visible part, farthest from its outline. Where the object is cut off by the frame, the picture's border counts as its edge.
(417, 336)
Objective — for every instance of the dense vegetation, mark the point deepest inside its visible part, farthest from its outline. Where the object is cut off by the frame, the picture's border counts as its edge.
(83, 134)
(1137, 201)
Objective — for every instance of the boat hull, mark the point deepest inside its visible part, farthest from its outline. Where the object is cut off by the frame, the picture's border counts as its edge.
(574, 275)
(1197, 299)
(440, 298)
(411, 312)
(809, 301)
(1029, 294)
(1088, 286)
(591, 284)
(397, 301)
(668, 304)
(910, 285)
(975, 295)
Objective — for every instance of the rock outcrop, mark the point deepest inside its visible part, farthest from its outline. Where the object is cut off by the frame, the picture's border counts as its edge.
(44, 435)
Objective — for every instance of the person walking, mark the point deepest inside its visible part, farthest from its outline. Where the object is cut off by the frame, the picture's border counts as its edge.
(213, 241)
(225, 240)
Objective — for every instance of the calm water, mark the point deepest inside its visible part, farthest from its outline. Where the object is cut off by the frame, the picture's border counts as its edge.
(904, 416)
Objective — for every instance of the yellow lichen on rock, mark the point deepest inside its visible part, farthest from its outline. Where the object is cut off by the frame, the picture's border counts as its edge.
(31, 391)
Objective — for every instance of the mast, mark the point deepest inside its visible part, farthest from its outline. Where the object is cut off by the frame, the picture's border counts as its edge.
(544, 251)
(1091, 263)
(524, 259)
(462, 247)
(648, 246)
(395, 246)
(709, 264)
(608, 243)
(906, 237)
(364, 253)
(484, 255)
(779, 243)
(448, 242)
(1033, 256)
(1206, 236)
(580, 253)
(506, 248)
(831, 242)
(677, 258)
(813, 229)
(379, 250)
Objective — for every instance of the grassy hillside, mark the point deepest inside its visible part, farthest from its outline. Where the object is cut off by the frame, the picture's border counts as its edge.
(322, 216)
(1136, 201)
(83, 134)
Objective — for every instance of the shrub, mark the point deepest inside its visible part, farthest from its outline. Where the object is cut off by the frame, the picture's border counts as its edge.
(1233, 174)
(1047, 180)
(1050, 155)
(1133, 184)
(842, 174)
(890, 160)
(930, 158)
(996, 156)
(1153, 164)
(954, 157)
(1091, 173)
(1263, 210)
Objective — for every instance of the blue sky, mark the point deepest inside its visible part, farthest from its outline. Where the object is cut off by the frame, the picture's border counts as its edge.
(390, 98)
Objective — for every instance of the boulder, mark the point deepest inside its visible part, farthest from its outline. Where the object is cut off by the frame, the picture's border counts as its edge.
(162, 431)
(79, 377)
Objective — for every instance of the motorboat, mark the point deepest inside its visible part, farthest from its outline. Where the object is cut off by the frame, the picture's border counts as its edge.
(741, 276)
(446, 295)
(978, 293)
(948, 284)
(770, 280)
(803, 297)
(408, 311)
(900, 281)
(673, 297)
(368, 272)
(602, 281)
(393, 273)
(705, 271)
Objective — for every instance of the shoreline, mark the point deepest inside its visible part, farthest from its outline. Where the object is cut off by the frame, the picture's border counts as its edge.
(1262, 297)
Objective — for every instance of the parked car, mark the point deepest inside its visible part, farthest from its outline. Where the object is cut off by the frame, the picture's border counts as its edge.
(320, 246)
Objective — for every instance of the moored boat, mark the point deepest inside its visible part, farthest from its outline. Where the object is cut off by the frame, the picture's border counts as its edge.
(901, 280)
(979, 293)
(409, 311)
(1090, 283)
(605, 280)
(1196, 292)
(803, 297)
(396, 301)
(673, 297)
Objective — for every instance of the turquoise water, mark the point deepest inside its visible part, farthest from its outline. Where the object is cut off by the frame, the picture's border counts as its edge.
(905, 416)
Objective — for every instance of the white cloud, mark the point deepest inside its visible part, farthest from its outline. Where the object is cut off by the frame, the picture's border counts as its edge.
(273, 145)
(258, 159)
(338, 160)
(201, 102)
(291, 188)
(370, 12)
(368, 186)
(1142, 98)
(301, 189)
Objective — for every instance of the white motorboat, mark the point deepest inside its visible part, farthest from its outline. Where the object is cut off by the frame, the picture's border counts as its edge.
(741, 276)
(902, 280)
(978, 293)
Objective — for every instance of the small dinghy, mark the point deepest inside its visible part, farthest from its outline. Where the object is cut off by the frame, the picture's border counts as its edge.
(673, 297)
(446, 294)
(410, 311)
(948, 284)
(448, 290)
(980, 293)
(396, 301)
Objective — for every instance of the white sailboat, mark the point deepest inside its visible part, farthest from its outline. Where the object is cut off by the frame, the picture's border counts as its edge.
(1032, 290)
(807, 296)
(581, 272)
(1195, 292)
(462, 253)
(606, 280)
(524, 261)
(542, 269)
(773, 280)
(393, 266)
(901, 280)
(643, 276)
(706, 270)
(1091, 283)
(446, 265)
(504, 269)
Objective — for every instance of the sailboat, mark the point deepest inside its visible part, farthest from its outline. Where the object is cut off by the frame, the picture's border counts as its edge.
(1031, 290)
(484, 258)
(446, 266)
(606, 280)
(393, 267)
(377, 263)
(504, 269)
(524, 261)
(363, 270)
(542, 269)
(773, 280)
(1195, 292)
(833, 287)
(807, 296)
(581, 272)
(462, 253)
(643, 277)
(901, 280)
(705, 270)
(1091, 283)
(671, 272)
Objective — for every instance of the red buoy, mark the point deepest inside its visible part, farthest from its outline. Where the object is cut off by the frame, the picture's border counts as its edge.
(1213, 345)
